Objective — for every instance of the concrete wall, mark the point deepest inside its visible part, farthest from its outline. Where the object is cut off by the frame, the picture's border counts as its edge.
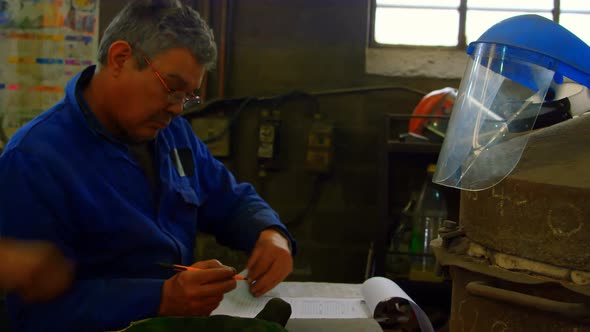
(276, 46)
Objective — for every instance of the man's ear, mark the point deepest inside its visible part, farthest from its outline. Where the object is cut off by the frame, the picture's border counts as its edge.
(119, 52)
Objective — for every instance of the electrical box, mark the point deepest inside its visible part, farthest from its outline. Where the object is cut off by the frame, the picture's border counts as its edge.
(320, 146)
(268, 138)
(214, 131)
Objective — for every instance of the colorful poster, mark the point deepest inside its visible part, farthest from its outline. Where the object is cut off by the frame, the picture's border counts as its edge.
(43, 43)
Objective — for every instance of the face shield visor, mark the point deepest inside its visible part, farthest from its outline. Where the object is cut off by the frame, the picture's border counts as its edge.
(497, 104)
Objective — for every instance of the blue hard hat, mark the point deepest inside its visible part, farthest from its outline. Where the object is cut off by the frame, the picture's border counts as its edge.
(538, 40)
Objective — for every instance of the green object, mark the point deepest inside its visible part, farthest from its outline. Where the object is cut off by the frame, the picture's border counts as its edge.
(197, 324)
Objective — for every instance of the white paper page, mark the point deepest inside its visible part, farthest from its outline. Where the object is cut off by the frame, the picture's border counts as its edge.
(378, 289)
(318, 307)
(316, 289)
(241, 303)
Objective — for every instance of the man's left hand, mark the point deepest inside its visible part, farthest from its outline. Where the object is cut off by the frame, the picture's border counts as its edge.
(270, 263)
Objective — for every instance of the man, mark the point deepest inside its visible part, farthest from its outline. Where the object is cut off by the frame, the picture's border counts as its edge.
(119, 182)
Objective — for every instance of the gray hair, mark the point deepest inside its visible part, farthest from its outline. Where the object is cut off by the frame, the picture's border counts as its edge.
(155, 26)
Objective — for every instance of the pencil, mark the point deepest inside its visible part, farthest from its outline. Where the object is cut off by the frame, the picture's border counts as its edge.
(180, 268)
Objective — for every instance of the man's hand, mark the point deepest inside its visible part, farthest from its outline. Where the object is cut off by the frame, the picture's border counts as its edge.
(37, 270)
(270, 263)
(197, 293)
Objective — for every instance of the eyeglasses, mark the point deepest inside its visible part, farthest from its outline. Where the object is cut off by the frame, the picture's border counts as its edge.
(174, 96)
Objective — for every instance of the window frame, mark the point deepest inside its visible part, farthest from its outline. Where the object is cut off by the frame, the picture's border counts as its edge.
(461, 38)
(435, 62)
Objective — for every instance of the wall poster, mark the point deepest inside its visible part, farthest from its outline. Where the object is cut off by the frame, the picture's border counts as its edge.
(43, 43)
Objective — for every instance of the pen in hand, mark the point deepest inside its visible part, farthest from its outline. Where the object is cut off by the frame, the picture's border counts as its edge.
(180, 268)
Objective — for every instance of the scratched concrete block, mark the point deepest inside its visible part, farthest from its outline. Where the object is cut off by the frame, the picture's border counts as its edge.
(541, 222)
(541, 210)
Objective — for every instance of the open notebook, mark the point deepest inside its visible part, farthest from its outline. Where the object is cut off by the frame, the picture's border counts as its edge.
(378, 298)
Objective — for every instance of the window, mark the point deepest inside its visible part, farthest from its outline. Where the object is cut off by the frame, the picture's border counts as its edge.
(451, 23)
(446, 27)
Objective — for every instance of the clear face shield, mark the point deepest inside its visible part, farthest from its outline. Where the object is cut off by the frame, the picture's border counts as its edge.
(497, 105)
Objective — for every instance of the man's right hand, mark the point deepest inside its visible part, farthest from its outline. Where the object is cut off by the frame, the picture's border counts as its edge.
(197, 293)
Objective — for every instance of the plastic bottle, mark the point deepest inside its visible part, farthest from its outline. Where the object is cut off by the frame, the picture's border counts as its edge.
(430, 212)
(398, 260)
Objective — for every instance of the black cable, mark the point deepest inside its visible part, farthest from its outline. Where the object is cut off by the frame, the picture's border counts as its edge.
(276, 102)
(213, 107)
(295, 94)
(232, 121)
(349, 91)
(314, 198)
(216, 106)
(367, 89)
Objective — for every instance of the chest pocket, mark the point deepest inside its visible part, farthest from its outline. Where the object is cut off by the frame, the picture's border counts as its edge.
(185, 198)
(184, 204)
(182, 159)
(187, 193)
